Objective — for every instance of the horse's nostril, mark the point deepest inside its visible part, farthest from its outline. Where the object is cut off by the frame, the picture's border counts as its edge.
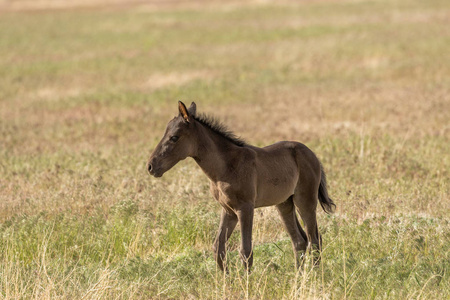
(149, 167)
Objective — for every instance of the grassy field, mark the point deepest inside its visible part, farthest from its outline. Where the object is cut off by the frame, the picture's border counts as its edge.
(86, 92)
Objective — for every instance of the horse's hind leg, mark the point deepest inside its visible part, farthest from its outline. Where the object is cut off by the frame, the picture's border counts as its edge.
(307, 205)
(290, 221)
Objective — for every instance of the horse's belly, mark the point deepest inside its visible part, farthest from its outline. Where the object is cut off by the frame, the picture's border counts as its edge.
(275, 190)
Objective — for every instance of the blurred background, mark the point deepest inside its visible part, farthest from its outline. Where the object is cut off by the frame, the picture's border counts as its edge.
(87, 88)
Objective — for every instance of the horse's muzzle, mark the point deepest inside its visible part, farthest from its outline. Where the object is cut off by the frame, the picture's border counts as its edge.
(152, 170)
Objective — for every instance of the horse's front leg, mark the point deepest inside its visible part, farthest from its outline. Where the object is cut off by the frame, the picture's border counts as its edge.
(245, 216)
(228, 221)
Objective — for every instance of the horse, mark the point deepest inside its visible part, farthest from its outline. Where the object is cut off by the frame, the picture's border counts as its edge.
(244, 177)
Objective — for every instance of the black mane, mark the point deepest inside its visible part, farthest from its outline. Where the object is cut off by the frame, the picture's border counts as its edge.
(219, 128)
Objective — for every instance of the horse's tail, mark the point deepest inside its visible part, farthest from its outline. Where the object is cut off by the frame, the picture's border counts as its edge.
(325, 201)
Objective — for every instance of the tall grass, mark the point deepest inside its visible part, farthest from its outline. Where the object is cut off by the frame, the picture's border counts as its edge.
(134, 254)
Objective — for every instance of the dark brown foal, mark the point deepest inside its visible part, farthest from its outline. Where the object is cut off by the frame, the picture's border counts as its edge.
(243, 177)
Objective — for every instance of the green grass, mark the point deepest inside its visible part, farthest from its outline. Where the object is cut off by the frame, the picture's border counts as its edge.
(165, 253)
(85, 95)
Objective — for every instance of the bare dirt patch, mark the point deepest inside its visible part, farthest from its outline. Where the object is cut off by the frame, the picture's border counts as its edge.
(162, 80)
(26, 5)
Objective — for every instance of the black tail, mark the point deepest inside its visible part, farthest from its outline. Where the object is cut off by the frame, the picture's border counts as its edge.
(325, 201)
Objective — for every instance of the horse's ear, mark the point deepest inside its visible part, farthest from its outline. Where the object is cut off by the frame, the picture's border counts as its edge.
(183, 111)
(192, 109)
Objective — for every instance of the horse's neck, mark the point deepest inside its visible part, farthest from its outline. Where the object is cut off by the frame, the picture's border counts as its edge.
(214, 154)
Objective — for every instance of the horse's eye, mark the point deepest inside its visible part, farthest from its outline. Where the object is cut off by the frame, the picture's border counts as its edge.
(174, 138)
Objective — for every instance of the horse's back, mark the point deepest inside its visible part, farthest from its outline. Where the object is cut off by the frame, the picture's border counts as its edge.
(297, 151)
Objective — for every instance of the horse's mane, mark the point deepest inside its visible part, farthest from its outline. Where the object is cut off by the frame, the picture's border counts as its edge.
(219, 128)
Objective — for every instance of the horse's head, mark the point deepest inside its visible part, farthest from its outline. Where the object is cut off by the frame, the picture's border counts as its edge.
(176, 144)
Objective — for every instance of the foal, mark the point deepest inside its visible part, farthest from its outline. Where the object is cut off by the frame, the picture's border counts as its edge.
(244, 177)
